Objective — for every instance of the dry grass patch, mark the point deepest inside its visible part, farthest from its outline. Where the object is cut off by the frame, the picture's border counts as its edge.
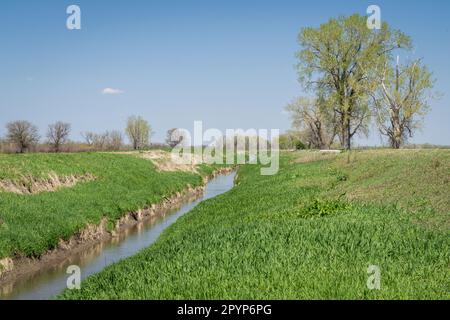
(312, 156)
(163, 161)
(51, 183)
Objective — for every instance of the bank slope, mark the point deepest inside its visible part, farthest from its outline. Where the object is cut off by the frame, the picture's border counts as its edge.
(308, 232)
(35, 222)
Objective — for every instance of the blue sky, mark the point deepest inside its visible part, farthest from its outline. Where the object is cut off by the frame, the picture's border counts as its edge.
(227, 63)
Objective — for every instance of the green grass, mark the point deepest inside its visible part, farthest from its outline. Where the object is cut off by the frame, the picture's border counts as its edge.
(306, 233)
(32, 224)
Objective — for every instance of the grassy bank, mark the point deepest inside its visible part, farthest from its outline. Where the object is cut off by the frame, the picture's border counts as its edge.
(311, 231)
(30, 224)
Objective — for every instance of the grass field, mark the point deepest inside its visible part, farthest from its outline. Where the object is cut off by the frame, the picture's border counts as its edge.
(311, 231)
(30, 224)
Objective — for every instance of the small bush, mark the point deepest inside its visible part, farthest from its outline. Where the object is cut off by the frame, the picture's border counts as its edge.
(300, 145)
(324, 207)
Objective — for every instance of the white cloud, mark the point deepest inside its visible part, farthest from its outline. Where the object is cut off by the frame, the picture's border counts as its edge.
(112, 91)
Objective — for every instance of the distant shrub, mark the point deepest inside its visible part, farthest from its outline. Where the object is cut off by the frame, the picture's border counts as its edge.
(290, 141)
(299, 145)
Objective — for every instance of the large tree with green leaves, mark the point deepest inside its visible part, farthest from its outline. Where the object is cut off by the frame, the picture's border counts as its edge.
(138, 131)
(339, 60)
(402, 100)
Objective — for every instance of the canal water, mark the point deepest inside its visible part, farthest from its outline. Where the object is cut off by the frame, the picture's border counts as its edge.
(48, 282)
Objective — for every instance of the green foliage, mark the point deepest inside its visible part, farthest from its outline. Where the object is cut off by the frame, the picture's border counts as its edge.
(338, 60)
(138, 131)
(290, 141)
(288, 236)
(32, 224)
(319, 207)
(299, 145)
(401, 176)
(402, 100)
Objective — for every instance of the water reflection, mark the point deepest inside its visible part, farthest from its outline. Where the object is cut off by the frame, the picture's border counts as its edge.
(51, 280)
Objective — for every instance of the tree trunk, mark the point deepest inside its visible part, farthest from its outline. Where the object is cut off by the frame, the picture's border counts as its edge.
(349, 138)
(21, 147)
(346, 133)
(343, 134)
(397, 132)
(396, 136)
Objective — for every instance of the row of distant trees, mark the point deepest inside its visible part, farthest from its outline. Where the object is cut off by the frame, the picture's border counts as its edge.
(354, 78)
(24, 136)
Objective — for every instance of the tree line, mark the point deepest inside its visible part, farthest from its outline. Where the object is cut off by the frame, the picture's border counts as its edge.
(23, 136)
(354, 77)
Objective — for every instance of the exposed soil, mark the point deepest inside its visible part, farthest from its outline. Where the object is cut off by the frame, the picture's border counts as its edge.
(33, 185)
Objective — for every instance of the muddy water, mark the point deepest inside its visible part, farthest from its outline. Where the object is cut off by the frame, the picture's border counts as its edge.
(52, 280)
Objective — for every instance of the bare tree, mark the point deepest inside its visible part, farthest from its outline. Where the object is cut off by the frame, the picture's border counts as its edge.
(109, 140)
(58, 134)
(23, 134)
(138, 131)
(114, 140)
(89, 137)
(292, 140)
(401, 102)
(100, 140)
(316, 122)
(174, 137)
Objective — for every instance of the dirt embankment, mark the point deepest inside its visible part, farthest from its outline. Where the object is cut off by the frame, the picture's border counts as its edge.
(33, 185)
(12, 269)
